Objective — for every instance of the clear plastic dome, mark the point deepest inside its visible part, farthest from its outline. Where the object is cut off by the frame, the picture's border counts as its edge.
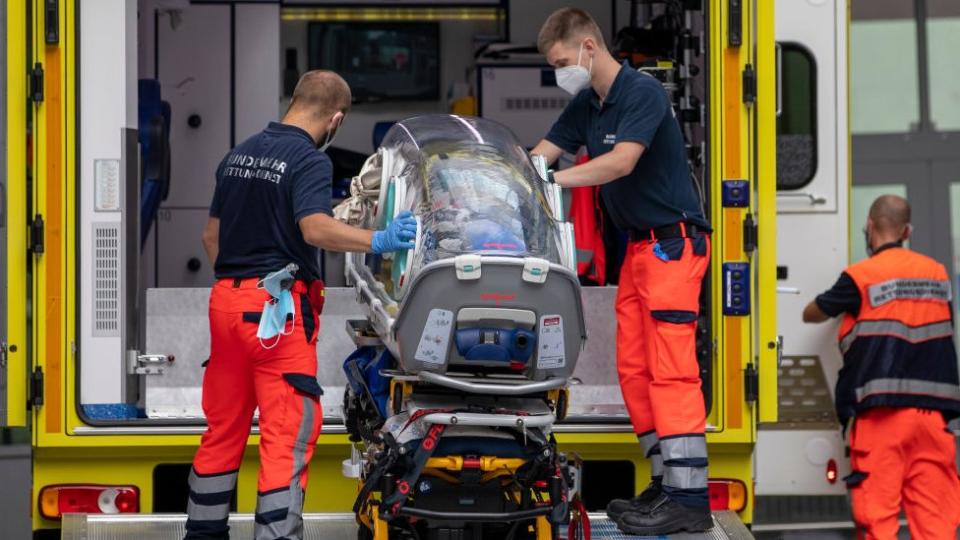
(473, 188)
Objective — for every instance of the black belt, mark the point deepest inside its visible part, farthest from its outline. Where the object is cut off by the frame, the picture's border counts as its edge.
(676, 230)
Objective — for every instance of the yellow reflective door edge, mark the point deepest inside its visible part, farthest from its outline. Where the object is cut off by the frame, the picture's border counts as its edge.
(768, 346)
(13, 220)
(52, 182)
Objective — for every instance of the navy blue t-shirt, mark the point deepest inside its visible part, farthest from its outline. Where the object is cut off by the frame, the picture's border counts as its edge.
(660, 190)
(265, 186)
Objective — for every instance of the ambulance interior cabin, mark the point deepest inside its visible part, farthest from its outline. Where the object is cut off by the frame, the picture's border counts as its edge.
(192, 79)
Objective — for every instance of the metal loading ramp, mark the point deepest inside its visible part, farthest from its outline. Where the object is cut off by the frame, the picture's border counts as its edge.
(727, 525)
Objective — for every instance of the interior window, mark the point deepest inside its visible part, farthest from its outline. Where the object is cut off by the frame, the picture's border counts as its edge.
(884, 88)
(943, 42)
(797, 120)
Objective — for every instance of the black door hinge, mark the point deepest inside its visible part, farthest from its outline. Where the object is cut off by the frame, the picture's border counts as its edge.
(734, 23)
(36, 83)
(751, 383)
(749, 234)
(36, 235)
(749, 84)
(36, 388)
(51, 21)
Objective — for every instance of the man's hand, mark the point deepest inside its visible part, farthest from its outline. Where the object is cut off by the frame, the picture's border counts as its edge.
(813, 314)
(600, 170)
(548, 150)
(398, 236)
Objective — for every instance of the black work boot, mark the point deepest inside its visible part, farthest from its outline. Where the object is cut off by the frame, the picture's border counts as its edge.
(640, 503)
(666, 516)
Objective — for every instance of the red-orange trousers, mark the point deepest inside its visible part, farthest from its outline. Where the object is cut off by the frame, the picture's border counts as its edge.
(657, 308)
(904, 456)
(276, 376)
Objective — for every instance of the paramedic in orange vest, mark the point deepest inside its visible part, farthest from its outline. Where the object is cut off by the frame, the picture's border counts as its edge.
(638, 157)
(269, 215)
(898, 383)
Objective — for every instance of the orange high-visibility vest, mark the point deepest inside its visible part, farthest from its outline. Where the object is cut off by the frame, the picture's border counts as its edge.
(898, 351)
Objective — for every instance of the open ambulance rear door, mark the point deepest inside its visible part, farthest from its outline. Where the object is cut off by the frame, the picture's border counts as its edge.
(13, 216)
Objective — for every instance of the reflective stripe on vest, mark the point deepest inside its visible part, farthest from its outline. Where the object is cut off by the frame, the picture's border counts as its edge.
(909, 386)
(908, 289)
(913, 334)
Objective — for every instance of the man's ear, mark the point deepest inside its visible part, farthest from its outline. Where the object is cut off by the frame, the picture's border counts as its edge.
(907, 232)
(590, 45)
(336, 119)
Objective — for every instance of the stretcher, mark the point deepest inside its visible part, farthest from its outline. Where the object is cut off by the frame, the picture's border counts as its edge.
(469, 342)
(333, 526)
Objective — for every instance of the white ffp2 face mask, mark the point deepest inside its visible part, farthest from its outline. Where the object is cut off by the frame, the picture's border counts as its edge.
(574, 78)
(331, 135)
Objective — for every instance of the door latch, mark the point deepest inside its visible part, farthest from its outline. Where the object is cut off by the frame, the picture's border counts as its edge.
(147, 364)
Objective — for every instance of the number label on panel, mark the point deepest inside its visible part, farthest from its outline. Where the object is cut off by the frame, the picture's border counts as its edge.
(106, 176)
(435, 338)
(551, 353)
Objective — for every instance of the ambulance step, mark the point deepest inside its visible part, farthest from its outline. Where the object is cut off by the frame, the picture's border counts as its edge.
(726, 525)
(327, 526)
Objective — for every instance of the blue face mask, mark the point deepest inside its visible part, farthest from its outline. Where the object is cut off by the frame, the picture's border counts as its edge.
(273, 320)
(279, 307)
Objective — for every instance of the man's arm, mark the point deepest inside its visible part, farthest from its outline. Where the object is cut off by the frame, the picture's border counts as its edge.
(600, 170)
(813, 314)
(843, 297)
(325, 232)
(548, 150)
(211, 239)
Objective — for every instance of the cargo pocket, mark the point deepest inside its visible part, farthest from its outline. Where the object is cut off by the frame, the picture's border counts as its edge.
(676, 345)
(304, 427)
(304, 384)
(859, 505)
(855, 479)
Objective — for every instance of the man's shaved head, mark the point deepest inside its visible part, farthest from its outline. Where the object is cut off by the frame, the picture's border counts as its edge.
(321, 93)
(890, 213)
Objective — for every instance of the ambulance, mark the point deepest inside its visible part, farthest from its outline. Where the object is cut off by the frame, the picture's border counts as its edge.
(115, 114)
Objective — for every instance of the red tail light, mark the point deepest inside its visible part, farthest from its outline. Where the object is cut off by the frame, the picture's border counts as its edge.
(57, 500)
(727, 495)
(832, 471)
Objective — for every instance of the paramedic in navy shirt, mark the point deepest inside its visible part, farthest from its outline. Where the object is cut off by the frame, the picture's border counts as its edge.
(271, 207)
(637, 154)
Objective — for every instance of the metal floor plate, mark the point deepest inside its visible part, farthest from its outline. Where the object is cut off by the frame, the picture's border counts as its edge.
(171, 526)
(725, 525)
(325, 526)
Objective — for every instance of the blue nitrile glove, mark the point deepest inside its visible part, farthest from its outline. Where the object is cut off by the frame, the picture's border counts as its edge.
(399, 235)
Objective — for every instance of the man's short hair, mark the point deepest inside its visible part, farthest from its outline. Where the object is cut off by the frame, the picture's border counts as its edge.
(321, 92)
(568, 26)
(890, 213)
